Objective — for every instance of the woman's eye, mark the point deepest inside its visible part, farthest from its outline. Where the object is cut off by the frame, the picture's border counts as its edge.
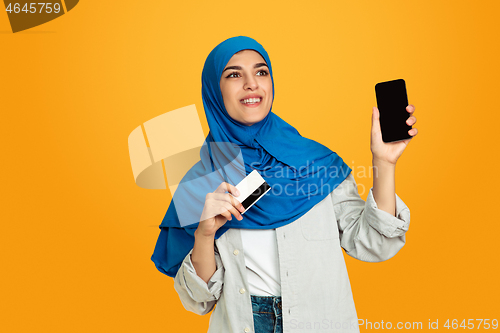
(236, 74)
(233, 74)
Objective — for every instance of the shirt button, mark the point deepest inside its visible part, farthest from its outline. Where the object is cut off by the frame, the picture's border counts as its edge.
(235, 252)
(247, 329)
(242, 290)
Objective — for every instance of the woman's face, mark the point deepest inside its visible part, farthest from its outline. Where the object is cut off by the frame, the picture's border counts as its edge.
(247, 88)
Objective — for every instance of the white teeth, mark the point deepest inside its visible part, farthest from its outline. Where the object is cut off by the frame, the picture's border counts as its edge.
(251, 100)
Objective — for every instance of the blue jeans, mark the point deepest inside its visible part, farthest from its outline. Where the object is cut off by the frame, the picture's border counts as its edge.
(267, 316)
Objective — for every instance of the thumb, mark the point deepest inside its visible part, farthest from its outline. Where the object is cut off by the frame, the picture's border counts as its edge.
(375, 120)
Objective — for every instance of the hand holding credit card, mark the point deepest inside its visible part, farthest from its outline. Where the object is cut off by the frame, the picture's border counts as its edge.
(251, 188)
(220, 206)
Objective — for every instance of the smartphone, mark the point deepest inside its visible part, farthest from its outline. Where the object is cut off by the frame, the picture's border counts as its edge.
(392, 101)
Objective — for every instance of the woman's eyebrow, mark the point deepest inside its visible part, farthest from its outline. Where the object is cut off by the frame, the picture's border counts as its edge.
(260, 64)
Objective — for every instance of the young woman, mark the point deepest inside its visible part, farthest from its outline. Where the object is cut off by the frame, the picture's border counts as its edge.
(279, 267)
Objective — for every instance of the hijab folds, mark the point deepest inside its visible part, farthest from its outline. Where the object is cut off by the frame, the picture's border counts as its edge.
(300, 171)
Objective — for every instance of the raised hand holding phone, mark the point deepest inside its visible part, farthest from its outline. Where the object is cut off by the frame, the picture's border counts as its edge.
(392, 123)
(392, 100)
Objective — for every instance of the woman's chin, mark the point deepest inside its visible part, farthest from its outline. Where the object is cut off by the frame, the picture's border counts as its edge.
(249, 116)
(253, 120)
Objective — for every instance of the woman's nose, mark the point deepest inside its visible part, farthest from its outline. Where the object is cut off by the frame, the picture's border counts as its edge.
(251, 83)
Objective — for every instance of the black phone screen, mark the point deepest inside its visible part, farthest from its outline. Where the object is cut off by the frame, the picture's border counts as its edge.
(392, 101)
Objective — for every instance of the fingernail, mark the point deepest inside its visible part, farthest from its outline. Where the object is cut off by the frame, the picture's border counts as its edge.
(237, 192)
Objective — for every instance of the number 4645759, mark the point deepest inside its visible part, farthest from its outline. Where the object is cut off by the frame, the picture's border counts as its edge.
(472, 324)
(34, 8)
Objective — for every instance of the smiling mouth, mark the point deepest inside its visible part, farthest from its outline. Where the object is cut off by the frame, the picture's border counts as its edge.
(251, 101)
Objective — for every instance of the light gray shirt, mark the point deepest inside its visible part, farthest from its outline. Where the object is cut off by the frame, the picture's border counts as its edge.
(315, 290)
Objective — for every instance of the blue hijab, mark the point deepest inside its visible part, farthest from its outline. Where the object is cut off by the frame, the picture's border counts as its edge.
(300, 171)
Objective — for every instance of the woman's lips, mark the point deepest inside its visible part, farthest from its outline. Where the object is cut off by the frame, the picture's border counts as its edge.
(252, 105)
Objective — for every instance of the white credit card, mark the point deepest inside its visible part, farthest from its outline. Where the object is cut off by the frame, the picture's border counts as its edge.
(251, 188)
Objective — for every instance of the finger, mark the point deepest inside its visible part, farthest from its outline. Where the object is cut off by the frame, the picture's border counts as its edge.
(229, 199)
(227, 210)
(375, 120)
(411, 120)
(225, 213)
(226, 187)
(410, 108)
(233, 211)
(413, 132)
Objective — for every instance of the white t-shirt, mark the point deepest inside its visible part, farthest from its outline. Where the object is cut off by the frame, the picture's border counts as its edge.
(261, 258)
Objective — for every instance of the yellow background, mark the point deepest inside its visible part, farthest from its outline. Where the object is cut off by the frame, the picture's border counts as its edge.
(77, 233)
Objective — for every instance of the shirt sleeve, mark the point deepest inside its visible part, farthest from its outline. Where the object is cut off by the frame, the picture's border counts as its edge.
(366, 232)
(195, 294)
